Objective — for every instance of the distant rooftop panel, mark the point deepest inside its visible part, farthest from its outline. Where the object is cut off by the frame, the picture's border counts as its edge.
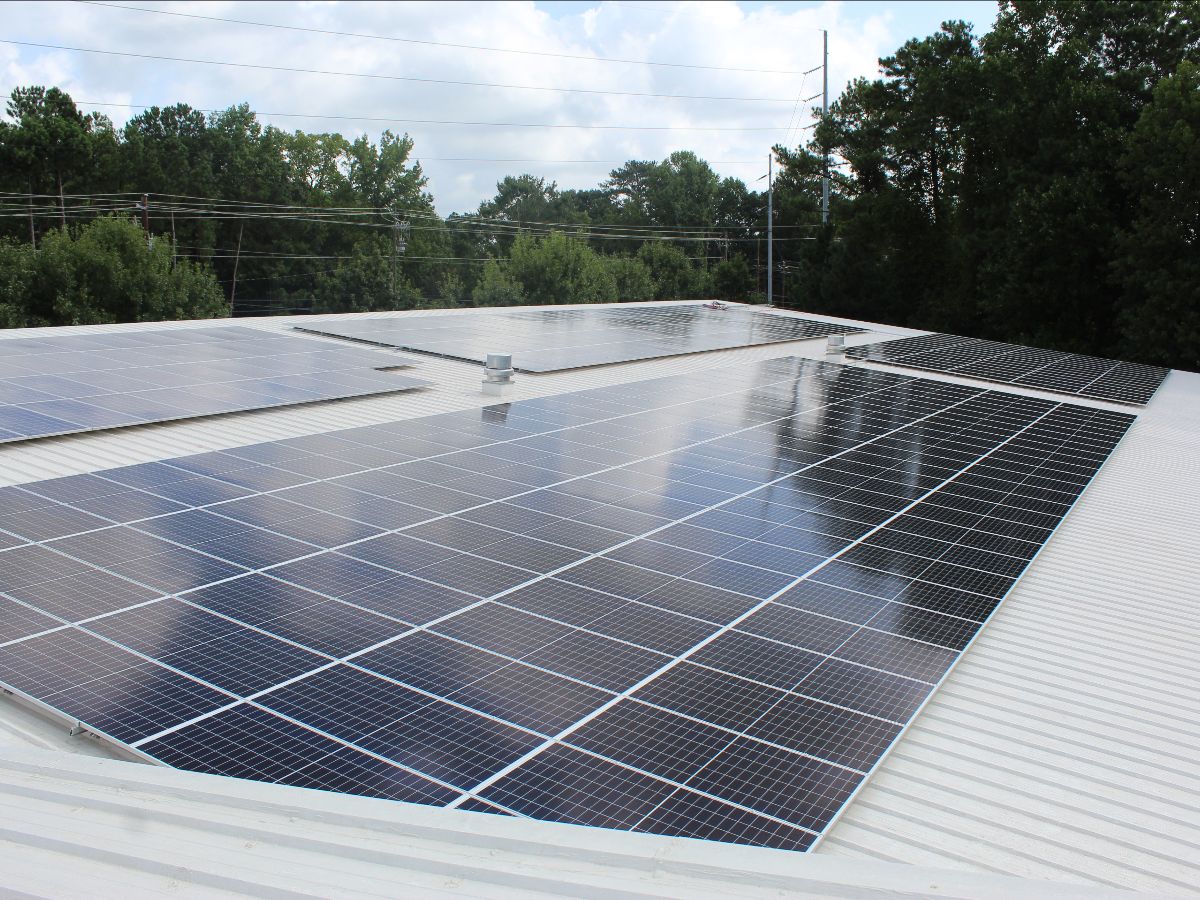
(683, 606)
(551, 340)
(1049, 370)
(68, 383)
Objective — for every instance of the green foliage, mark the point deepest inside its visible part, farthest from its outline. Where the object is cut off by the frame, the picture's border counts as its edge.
(1158, 260)
(497, 288)
(632, 278)
(732, 280)
(365, 283)
(675, 278)
(450, 289)
(1037, 185)
(560, 269)
(16, 276)
(102, 272)
(682, 191)
(1032, 186)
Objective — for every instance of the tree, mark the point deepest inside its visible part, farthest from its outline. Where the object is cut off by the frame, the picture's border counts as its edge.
(380, 175)
(732, 279)
(1064, 84)
(675, 278)
(105, 272)
(496, 287)
(16, 278)
(316, 163)
(1158, 261)
(450, 289)
(682, 191)
(632, 278)
(165, 150)
(560, 269)
(364, 283)
(50, 142)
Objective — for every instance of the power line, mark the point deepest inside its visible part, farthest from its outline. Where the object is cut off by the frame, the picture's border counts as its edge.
(210, 208)
(377, 37)
(488, 228)
(604, 162)
(408, 78)
(397, 119)
(705, 229)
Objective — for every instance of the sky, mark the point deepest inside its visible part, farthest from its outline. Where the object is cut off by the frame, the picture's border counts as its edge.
(726, 76)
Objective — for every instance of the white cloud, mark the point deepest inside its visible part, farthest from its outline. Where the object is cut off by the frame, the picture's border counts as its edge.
(708, 33)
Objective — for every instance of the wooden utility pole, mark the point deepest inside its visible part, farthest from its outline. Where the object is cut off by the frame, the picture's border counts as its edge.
(146, 218)
(32, 232)
(399, 245)
(237, 256)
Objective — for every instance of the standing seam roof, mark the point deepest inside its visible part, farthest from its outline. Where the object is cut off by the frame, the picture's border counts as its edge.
(1062, 746)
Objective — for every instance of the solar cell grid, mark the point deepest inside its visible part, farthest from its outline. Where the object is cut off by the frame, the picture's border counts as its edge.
(554, 340)
(81, 382)
(1050, 370)
(514, 649)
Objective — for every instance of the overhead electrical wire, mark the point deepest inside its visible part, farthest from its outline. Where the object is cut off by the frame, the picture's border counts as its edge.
(377, 37)
(398, 119)
(483, 229)
(422, 79)
(408, 78)
(233, 210)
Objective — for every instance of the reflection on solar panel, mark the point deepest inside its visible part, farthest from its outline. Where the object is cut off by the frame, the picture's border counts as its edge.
(550, 340)
(645, 607)
(83, 382)
(1048, 370)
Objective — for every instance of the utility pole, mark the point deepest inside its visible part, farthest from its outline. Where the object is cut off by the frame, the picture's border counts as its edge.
(237, 258)
(399, 245)
(32, 232)
(146, 218)
(825, 114)
(770, 232)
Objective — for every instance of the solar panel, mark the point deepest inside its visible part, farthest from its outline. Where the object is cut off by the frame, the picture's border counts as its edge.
(689, 606)
(551, 340)
(70, 383)
(1048, 370)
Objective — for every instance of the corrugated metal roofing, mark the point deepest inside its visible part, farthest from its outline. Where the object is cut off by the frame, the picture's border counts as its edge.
(108, 828)
(1064, 744)
(1062, 747)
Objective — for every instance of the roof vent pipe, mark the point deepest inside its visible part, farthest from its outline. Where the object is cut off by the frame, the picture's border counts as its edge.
(498, 375)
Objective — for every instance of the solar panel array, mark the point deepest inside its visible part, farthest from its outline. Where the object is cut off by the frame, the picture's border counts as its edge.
(82, 382)
(689, 606)
(550, 340)
(1048, 370)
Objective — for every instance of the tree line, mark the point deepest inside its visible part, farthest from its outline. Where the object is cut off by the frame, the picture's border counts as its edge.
(1040, 184)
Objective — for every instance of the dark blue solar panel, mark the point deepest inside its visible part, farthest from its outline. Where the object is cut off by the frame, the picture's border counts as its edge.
(553, 340)
(73, 383)
(1049, 370)
(634, 607)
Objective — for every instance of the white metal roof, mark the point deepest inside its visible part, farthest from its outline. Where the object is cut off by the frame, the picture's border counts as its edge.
(1060, 749)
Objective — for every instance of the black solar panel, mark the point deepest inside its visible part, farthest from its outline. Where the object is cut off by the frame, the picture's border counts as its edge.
(704, 605)
(84, 382)
(1048, 370)
(550, 340)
